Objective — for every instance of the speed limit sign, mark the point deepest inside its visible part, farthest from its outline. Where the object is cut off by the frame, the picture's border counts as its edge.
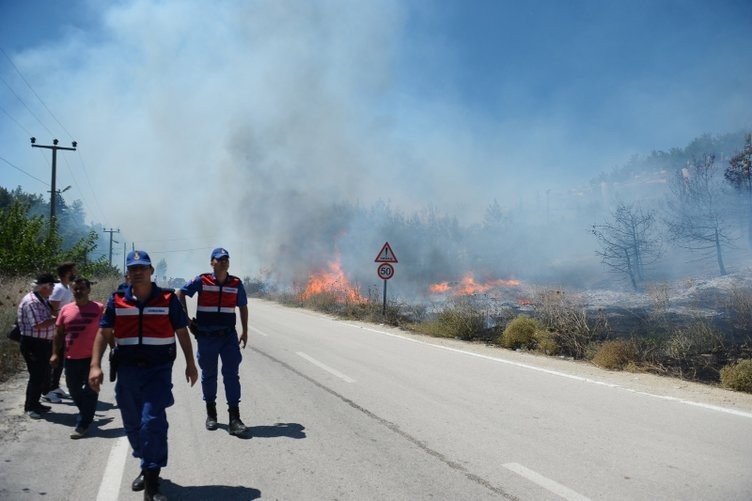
(385, 271)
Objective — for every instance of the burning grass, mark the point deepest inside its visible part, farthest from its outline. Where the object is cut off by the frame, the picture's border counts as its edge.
(329, 285)
(662, 331)
(467, 286)
(575, 325)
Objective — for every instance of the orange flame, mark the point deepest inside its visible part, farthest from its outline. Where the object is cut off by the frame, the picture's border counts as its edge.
(467, 285)
(440, 288)
(332, 281)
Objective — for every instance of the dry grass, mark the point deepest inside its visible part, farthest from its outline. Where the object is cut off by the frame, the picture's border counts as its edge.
(738, 376)
(616, 354)
(566, 316)
(520, 333)
(458, 319)
(14, 289)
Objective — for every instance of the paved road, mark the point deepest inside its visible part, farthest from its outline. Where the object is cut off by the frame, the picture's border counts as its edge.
(351, 411)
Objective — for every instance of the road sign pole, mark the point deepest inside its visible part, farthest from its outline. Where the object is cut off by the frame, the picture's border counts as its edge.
(385, 270)
(383, 312)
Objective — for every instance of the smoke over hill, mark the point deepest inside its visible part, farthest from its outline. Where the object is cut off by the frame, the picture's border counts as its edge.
(299, 134)
(543, 239)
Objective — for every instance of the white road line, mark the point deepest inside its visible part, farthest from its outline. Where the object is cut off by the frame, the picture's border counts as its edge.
(328, 369)
(113, 472)
(545, 482)
(257, 331)
(718, 408)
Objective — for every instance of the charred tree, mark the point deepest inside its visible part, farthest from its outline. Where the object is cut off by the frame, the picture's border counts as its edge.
(696, 211)
(739, 175)
(628, 242)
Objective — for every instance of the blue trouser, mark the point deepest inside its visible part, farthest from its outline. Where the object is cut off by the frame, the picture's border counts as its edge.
(210, 349)
(77, 379)
(143, 395)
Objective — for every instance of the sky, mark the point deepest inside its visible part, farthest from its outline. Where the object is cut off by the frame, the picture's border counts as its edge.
(203, 124)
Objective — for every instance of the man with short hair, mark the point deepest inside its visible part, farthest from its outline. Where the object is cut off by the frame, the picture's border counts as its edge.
(61, 295)
(144, 319)
(219, 293)
(77, 325)
(37, 324)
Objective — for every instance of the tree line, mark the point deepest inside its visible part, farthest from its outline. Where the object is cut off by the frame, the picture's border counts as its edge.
(701, 207)
(32, 242)
(707, 208)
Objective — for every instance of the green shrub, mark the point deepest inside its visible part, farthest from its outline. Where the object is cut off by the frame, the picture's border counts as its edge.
(461, 321)
(546, 342)
(738, 376)
(520, 333)
(616, 354)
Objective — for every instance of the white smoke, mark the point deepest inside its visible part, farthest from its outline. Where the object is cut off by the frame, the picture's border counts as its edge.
(253, 125)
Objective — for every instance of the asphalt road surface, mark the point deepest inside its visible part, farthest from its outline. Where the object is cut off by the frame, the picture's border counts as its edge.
(350, 411)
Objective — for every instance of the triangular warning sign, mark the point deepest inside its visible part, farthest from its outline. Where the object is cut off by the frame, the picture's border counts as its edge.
(386, 255)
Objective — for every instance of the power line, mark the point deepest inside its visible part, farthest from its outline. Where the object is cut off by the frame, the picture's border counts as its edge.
(20, 169)
(16, 121)
(88, 182)
(35, 93)
(96, 201)
(25, 106)
(54, 147)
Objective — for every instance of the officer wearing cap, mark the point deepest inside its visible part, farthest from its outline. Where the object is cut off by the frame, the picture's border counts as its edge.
(219, 293)
(145, 319)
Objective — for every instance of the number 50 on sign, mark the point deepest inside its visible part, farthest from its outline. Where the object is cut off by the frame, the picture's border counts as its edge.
(385, 271)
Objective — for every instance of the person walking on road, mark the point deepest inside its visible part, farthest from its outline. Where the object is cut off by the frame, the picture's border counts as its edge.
(37, 324)
(145, 320)
(219, 293)
(77, 325)
(61, 295)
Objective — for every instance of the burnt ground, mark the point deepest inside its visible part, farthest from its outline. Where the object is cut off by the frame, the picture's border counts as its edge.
(724, 302)
(689, 328)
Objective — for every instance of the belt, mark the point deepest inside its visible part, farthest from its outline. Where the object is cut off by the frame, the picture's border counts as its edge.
(218, 333)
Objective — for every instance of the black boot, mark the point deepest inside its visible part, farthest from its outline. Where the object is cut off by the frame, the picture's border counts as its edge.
(151, 486)
(237, 427)
(211, 416)
(138, 482)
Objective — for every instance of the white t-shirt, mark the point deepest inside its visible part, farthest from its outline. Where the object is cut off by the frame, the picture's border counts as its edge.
(61, 293)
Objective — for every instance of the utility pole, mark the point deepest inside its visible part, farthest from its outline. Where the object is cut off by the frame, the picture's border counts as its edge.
(54, 147)
(111, 231)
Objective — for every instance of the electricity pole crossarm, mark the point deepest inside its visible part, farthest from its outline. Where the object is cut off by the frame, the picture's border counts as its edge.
(54, 147)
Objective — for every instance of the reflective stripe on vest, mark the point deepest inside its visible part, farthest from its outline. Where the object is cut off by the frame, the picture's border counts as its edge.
(151, 323)
(220, 297)
(217, 302)
(214, 309)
